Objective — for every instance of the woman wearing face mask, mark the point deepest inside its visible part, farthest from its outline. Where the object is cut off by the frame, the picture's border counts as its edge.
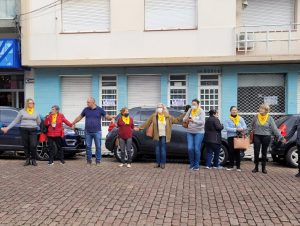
(54, 122)
(125, 125)
(195, 133)
(162, 128)
(234, 126)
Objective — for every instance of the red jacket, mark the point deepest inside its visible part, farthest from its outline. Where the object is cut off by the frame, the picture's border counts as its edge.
(125, 131)
(58, 131)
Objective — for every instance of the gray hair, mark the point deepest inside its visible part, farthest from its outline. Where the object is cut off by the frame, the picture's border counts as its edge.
(165, 109)
(56, 107)
(92, 99)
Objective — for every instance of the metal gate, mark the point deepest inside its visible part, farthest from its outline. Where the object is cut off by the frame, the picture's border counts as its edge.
(255, 89)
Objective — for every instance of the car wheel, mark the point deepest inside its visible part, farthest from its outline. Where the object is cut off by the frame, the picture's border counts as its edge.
(42, 151)
(223, 157)
(117, 152)
(292, 156)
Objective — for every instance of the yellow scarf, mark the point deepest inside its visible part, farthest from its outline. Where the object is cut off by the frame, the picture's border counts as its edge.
(262, 119)
(126, 120)
(54, 117)
(235, 120)
(161, 118)
(30, 110)
(195, 112)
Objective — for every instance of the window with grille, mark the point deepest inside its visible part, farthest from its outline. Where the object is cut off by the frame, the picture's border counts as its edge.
(177, 96)
(209, 92)
(108, 95)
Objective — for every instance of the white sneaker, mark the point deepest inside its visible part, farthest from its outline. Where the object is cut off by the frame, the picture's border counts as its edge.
(128, 165)
(239, 170)
(121, 165)
(229, 168)
(51, 164)
(207, 167)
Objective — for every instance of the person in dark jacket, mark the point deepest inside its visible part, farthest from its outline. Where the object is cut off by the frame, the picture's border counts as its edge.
(54, 122)
(296, 127)
(125, 125)
(212, 139)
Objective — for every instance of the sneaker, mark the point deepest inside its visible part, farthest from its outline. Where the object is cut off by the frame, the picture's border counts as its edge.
(229, 168)
(50, 164)
(62, 162)
(196, 169)
(128, 165)
(121, 165)
(207, 167)
(297, 175)
(219, 167)
(239, 170)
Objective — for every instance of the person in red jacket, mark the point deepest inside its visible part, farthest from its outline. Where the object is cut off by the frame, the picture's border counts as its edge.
(125, 125)
(54, 122)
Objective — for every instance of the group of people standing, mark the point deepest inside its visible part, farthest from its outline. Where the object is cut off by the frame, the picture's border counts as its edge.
(199, 130)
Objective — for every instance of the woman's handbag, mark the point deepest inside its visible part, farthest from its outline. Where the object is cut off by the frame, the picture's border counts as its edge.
(185, 124)
(241, 142)
(150, 131)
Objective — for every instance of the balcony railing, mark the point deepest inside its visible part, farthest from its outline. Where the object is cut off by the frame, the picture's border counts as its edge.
(268, 40)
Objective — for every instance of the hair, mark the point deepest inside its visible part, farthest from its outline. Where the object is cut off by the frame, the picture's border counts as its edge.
(163, 106)
(196, 100)
(187, 107)
(27, 101)
(212, 112)
(266, 107)
(233, 107)
(92, 99)
(56, 107)
(123, 110)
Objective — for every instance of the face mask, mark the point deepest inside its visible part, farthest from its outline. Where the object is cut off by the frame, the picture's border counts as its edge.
(126, 114)
(159, 110)
(194, 107)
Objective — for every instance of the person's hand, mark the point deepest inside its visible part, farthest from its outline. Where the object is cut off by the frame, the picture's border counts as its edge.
(239, 129)
(4, 130)
(113, 120)
(136, 128)
(191, 120)
(73, 127)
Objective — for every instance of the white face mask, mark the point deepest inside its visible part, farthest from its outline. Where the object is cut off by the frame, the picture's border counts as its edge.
(159, 110)
(194, 107)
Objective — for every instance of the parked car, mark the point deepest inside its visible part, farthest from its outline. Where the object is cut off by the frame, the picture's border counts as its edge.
(287, 151)
(144, 146)
(73, 141)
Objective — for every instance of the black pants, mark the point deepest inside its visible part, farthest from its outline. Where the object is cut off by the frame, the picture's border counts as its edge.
(29, 139)
(298, 147)
(261, 142)
(55, 142)
(234, 154)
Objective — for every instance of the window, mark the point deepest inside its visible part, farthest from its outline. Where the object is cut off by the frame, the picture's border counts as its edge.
(108, 95)
(209, 92)
(85, 16)
(170, 14)
(8, 116)
(145, 115)
(177, 87)
(8, 9)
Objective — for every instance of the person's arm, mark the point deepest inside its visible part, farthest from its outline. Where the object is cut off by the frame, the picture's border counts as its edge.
(147, 123)
(177, 120)
(187, 115)
(15, 121)
(68, 123)
(228, 128)
(47, 120)
(275, 129)
(218, 125)
(201, 119)
(243, 124)
(293, 130)
(38, 120)
(132, 124)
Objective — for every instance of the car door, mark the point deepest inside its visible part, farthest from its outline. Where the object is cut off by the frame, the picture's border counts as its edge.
(147, 143)
(13, 137)
(178, 144)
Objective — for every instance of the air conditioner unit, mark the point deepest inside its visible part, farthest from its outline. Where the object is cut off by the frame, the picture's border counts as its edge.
(245, 39)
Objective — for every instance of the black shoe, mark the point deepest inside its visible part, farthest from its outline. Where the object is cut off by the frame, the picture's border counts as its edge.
(62, 162)
(157, 166)
(34, 162)
(162, 166)
(27, 163)
(264, 170)
(255, 170)
(297, 175)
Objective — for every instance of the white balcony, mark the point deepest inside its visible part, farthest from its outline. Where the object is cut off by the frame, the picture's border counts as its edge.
(274, 40)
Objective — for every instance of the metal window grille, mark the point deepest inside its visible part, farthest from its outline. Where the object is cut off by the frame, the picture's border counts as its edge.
(177, 91)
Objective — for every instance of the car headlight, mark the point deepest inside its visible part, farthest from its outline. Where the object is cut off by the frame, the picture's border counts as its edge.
(69, 132)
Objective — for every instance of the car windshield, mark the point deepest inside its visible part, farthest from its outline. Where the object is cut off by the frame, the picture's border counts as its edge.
(281, 120)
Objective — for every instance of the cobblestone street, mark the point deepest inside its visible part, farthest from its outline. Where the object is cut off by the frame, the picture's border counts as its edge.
(76, 194)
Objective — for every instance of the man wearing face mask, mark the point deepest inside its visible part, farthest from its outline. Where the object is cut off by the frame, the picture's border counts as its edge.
(195, 133)
(162, 129)
(125, 125)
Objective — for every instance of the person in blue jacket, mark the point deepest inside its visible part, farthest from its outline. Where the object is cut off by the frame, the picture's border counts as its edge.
(235, 125)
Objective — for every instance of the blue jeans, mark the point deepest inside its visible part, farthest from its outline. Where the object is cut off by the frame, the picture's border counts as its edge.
(212, 150)
(160, 150)
(194, 148)
(88, 140)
